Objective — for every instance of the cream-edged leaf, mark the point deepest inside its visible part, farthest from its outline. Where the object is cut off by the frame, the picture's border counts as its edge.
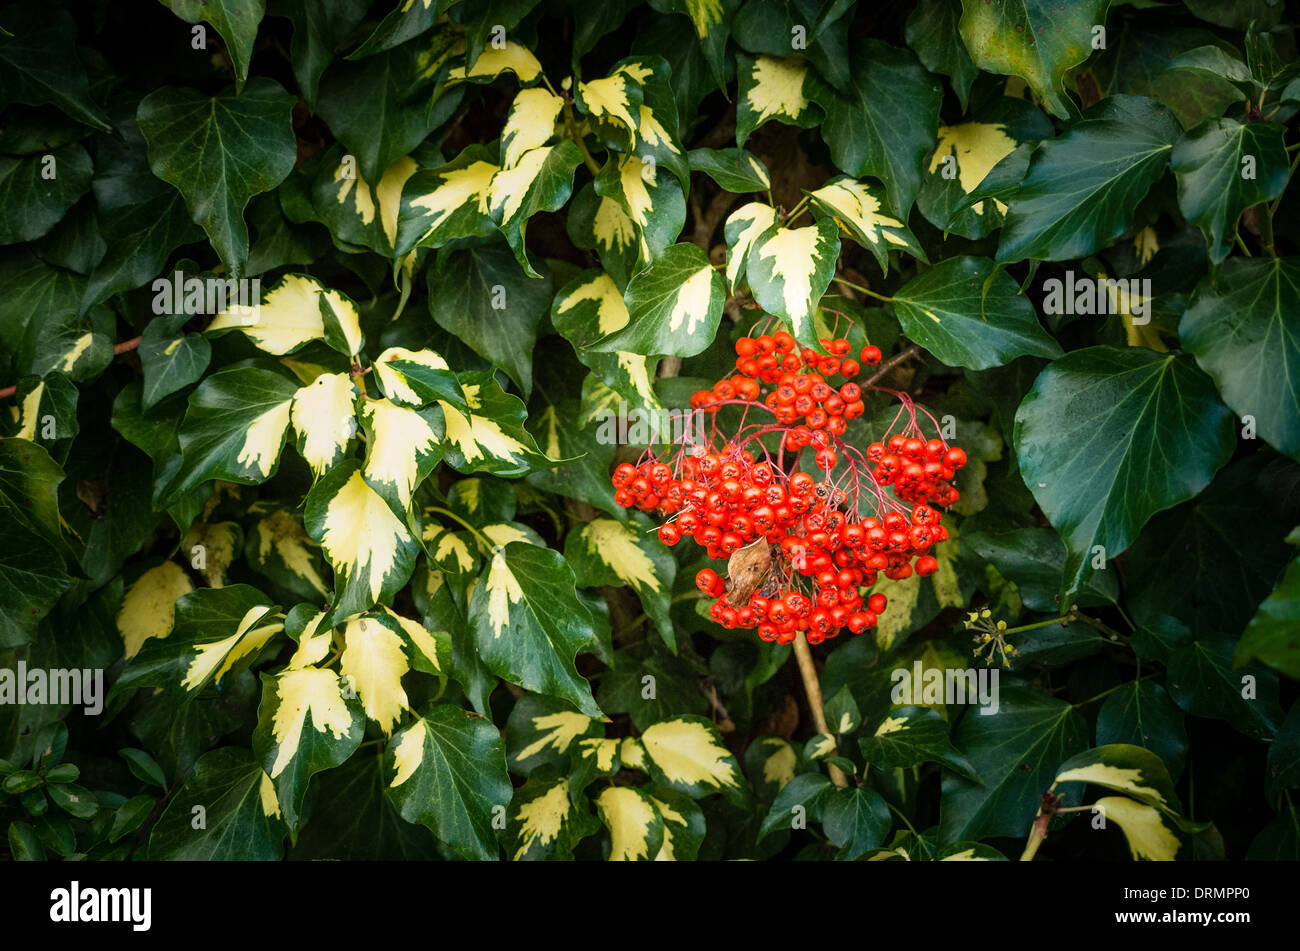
(675, 306)
(373, 664)
(541, 819)
(278, 547)
(324, 418)
(491, 436)
(528, 623)
(687, 754)
(605, 551)
(447, 771)
(546, 731)
(636, 829)
(772, 87)
(371, 549)
(451, 552)
(1152, 834)
(429, 651)
(402, 447)
(212, 547)
(862, 211)
(447, 203)
(304, 725)
(289, 315)
(148, 608)
(647, 198)
(542, 180)
(745, 225)
(1121, 767)
(494, 60)
(416, 378)
(234, 428)
(530, 123)
(789, 269)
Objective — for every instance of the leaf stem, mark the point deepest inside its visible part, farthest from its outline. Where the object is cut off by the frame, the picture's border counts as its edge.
(571, 129)
(813, 688)
(482, 539)
(863, 290)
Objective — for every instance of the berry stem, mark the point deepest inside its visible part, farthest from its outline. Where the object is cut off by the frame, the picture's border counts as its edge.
(813, 688)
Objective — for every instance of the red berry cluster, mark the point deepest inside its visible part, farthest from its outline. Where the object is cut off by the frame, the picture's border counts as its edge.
(798, 550)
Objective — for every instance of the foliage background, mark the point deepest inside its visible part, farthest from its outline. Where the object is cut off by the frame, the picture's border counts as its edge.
(1083, 430)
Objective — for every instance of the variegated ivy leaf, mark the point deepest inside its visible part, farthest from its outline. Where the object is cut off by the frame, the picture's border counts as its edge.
(430, 652)
(234, 428)
(616, 98)
(589, 308)
(711, 21)
(148, 608)
(324, 417)
(789, 269)
(675, 305)
(862, 211)
(211, 548)
(653, 136)
(599, 754)
(500, 534)
(449, 551)
(278, 547)
(684, 826)
(528, 623)
(483, 499)
(305, 725)
(416, 378)
(1125, 768)
(963, 158)
(542, 821)
(45, 410)
(491, 436)
(447, 771)
(373, 664)
(544, 731)
(542, 181)
(493, 61)
(733, 170)
(653, 203)
(770, 762)
(742, 229)
(530, 123)
(447, 203)
(687, 754)
(636, 829)
(406, 21)
(1152, 835)
(295, 312)
(359, 213)
(371, 549)
(242, 814)
(215, 629)
(598, 222)
(78, 345)
(773, 87)
(402, 447)
(911, 735)
(609, 552)
(307, 627)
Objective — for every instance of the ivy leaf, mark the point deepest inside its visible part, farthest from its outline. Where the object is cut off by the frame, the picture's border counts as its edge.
(772, 87)
(1142, 713)
(32, 568)
(1130, 769)
(403, 446)
(367, 105)
(1213, 188)
(403, 22)
(318, 30)
(530, 124)
(1244, 330)
(442, 204)
(171, 361)
(860, 209)
(36, 191)
(1203, 681)
(675, 306)
(324, 417)
(855, 820)
(483, 297)
(39, 64)
(563, 433)
(969, 312)
(542, 181)
(298, 310)
(588, 308)
(543, 731)
(235, 428)
(931, 30)
(80, 346)
(279, 548)
(1016, 753)
(542, 821)
(653, 206)
(605, 551)
(965, 159)
(304, 726)
(732, 170)
(636, 828)
(1107, 438)
(687, 754)
(875, 129)
(490, 436)
(1033, 558)
(140, 237)
(789, 269)
(448, 772)
(254, 151)
(528, 623)
(1032, 39)
(214, 629)
(807, 791)
(744, 226)
(417, 377)
(1271, 634)
(373, 663)
(235, 20)
(911, 735)
(1082, 188)
(238, 803)
(371, 549)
